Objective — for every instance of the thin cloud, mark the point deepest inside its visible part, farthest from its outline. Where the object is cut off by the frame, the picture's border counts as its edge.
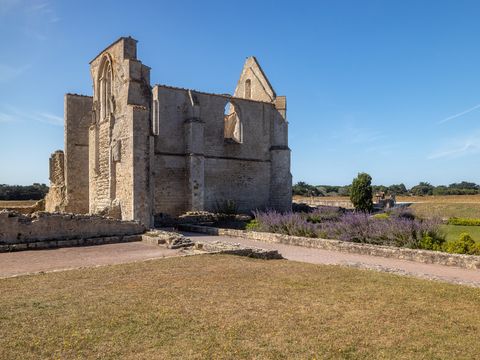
(458, 148)
(459, 114)
(50, 119)
(8, 72)
(7, 5)
(355, 135)
(6, 118)
(10, 114)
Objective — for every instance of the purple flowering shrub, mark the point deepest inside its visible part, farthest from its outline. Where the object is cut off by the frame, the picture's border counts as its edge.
(400, 229)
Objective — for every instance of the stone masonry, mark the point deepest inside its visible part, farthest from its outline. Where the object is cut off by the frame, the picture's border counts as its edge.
(133, 151)
(43, 230)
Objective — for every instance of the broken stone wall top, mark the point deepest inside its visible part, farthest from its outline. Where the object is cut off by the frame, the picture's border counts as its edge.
(17, 228)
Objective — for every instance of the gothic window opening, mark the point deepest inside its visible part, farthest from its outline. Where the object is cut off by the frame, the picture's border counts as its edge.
(233, 129)
(248, 89)
(105, 89)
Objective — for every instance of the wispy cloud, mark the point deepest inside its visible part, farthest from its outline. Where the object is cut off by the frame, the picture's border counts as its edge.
(458, 147)
(459, 114)
(6, 118)
(33, 16)
(7, 5)
(43, 8)
(357, 135)
(8, 72)
(50, 119)
(11, 114)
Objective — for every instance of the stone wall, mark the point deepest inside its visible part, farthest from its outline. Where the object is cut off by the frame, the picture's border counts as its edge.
(17, 229)
(195, 168)
(423, 256)
(55, 200)
(119, 144)
(78, 117)
(132, 152)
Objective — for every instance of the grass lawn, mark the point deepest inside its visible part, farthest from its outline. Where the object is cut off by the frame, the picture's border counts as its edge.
(231, 307)
(453, 231)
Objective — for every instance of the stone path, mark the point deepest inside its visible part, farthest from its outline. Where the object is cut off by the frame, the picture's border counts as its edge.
(27, 262)
(317, 256)
(34, 261)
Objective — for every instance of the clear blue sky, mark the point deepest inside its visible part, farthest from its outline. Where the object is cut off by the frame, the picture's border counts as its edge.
(387, 87)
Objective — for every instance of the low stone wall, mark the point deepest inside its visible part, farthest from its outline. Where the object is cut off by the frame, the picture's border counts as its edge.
(44, 230)
(423, 256)
(323, 201)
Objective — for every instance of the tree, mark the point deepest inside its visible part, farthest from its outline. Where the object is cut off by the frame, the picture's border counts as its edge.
(397, 189)
(361, 193)
(422, 189)
(304, 189)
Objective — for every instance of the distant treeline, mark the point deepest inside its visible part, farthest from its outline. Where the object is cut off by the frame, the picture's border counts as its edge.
(422, 189)
(19, 192)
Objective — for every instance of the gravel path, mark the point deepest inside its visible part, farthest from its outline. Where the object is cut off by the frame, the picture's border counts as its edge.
(35, 261)
(317, 256)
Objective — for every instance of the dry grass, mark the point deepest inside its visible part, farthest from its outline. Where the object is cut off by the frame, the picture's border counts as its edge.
(16, 203)
(463, 199)
(446, 210)
(426, 206)
(229, 307)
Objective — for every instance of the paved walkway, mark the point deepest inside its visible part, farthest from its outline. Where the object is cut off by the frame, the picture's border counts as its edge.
(34, 261)
(27, 262)
(318, 256)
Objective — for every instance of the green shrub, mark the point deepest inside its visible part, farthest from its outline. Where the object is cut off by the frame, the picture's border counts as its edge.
(463, 221)
(463, 245)
(429, 242)
(475, 249)
(253, 225)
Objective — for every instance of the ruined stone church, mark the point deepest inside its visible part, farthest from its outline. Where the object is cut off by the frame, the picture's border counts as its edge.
(134, 151)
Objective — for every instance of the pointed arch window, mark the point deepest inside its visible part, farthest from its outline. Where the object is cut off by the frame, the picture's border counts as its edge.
(233, 129)
(105, 88)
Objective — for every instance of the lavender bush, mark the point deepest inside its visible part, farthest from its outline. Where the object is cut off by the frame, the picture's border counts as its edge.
(398, 229)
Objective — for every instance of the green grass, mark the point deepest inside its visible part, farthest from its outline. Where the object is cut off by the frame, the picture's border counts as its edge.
(213, 307)
(453, 231)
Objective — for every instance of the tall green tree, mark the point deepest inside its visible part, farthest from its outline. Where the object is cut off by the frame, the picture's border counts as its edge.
(361, 193)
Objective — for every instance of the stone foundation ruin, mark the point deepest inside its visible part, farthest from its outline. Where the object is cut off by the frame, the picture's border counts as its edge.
(43, 230)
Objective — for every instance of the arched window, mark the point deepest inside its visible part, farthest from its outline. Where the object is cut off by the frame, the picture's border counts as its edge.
(233, 130)
(105, 88)
(248, 89)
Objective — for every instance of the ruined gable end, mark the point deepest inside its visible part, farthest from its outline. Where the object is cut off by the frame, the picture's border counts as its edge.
(253, 83)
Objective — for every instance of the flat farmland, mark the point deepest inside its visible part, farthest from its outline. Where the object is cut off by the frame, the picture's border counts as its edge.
(444, 207)
(16, 203)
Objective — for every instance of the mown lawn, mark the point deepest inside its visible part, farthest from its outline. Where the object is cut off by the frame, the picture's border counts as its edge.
(230, 307)
(453, 231)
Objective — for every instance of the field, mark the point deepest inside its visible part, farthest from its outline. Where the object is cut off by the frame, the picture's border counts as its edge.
(16, 203)
(442, 207)
(231, 307)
